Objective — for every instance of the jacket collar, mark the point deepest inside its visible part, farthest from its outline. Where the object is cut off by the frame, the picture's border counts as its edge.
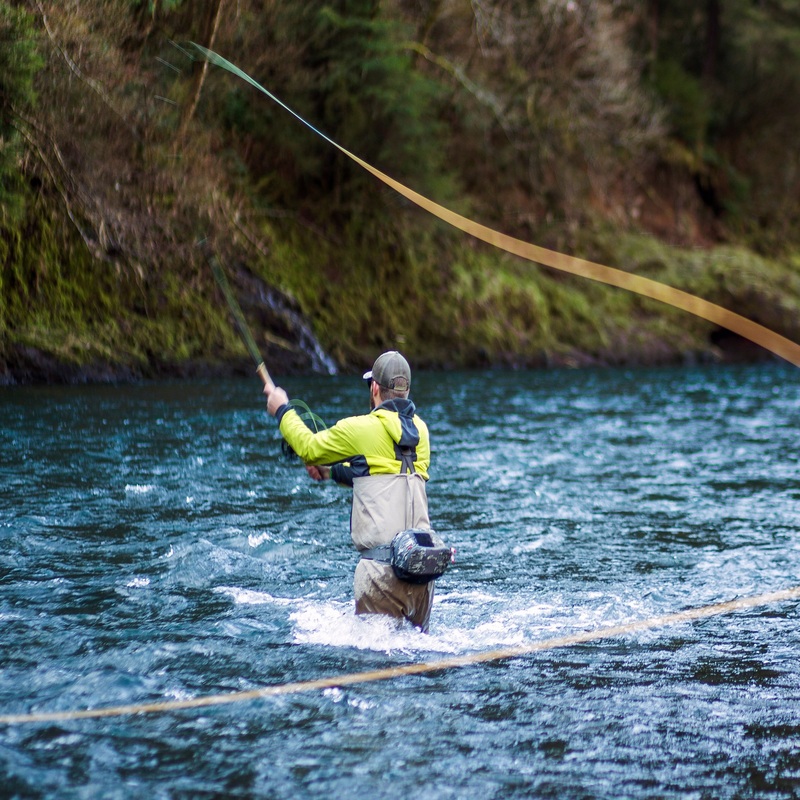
(400, 405)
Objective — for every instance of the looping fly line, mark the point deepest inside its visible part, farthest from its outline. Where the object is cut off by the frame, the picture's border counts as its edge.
(766, 338)
(648, 288)
(338, 681)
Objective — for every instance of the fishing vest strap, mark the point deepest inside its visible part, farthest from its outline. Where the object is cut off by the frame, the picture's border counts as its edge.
(406, 456)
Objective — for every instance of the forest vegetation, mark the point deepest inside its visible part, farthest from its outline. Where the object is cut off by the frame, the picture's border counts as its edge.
(655, 136)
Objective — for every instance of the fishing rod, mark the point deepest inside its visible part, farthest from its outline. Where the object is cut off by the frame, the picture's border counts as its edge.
(236, 310)
(312, 420)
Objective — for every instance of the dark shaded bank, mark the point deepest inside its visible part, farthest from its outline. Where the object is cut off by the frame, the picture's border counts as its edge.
(285, 339)
(26, 365)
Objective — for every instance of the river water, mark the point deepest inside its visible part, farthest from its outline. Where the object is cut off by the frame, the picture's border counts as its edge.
(156, 546)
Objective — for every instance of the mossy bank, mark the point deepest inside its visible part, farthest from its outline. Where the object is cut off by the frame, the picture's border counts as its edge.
(118, 154)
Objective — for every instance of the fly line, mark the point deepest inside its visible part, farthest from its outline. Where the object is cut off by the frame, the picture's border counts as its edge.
(638, 284)
(403, 670)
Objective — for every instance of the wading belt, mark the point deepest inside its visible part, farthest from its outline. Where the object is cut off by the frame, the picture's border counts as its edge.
(416, 556)
(382, 554)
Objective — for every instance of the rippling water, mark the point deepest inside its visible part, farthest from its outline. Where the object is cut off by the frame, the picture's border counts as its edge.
(155, 545)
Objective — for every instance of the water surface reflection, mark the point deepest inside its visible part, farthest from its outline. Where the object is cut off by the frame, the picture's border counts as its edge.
(156, 546)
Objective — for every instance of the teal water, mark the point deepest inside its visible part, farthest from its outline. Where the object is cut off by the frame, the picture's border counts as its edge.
(155, 545)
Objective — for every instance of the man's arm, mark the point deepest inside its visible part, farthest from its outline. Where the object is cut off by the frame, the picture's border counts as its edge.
(276, 399)
(317, 450)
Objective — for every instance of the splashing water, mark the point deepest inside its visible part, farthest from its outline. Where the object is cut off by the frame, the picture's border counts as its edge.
(155, 546)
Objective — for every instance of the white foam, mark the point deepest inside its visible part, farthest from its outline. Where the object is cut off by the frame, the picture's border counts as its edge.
(336, 695)
(459, 621)
(469, 596)
(541, 541)
(255, 540)
(249, 597)
(139, 488)
(335, 624)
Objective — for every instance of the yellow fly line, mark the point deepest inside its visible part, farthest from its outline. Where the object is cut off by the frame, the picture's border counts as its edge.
(768, 339)
(352, 679)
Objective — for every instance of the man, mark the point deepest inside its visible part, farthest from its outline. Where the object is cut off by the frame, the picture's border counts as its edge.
(384, 456)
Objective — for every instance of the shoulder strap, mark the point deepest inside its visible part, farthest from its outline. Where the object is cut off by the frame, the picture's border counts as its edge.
(406, 455)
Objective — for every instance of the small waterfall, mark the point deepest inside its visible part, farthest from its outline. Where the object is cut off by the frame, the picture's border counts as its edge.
(281, 319)
(306, 341)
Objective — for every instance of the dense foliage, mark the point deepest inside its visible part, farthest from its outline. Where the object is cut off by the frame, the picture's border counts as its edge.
(19, 63)
(654, 136)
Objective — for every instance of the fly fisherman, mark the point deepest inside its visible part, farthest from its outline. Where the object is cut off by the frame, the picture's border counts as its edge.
(384, 456)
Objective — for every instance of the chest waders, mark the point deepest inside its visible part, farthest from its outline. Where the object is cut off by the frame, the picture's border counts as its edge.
(416, 555)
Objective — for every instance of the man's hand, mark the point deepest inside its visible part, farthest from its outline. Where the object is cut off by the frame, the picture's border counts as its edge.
(318, 473)
(276, 397)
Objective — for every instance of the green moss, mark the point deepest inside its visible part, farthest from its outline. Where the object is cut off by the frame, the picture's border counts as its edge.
(431, 292)
(58, 299)
(449, 302)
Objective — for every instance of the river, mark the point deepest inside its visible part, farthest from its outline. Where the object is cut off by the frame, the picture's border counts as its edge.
(156, 546)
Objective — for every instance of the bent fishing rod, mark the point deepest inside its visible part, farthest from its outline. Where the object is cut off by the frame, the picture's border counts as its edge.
(236, 310)
(312, 420)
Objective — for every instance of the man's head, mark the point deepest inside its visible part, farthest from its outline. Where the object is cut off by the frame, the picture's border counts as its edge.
(391, 375)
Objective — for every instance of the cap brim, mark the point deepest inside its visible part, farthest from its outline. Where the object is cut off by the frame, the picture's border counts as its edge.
(367, 376)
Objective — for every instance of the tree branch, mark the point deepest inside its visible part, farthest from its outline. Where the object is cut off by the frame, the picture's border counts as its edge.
(66, 186)
(96, 87)
(210, 36)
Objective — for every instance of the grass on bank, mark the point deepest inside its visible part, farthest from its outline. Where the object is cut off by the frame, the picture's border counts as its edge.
(445, 300)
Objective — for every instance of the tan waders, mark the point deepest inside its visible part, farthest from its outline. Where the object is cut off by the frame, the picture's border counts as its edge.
(378, 591)
(383, 505)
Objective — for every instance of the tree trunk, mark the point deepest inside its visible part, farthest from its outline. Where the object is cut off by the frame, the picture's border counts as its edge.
(431, 17)
(653, 24)
(207, 39)
(712, 41)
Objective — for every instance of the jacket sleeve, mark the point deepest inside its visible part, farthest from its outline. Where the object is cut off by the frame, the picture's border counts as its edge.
(342, 474)
(328, 446)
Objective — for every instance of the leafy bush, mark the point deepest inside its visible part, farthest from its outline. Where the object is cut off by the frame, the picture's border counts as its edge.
(345, 67)
(19, 62)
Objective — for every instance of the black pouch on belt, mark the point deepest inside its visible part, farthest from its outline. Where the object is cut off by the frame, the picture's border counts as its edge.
(416, 556)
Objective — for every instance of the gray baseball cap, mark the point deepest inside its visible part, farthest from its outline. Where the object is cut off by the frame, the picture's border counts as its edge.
(391, 371)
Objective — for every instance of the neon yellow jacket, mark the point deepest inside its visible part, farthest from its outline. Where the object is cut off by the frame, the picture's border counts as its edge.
(368, 444)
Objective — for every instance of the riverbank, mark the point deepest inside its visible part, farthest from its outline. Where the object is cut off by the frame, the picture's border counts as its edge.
(113, 179)
(77, 321)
